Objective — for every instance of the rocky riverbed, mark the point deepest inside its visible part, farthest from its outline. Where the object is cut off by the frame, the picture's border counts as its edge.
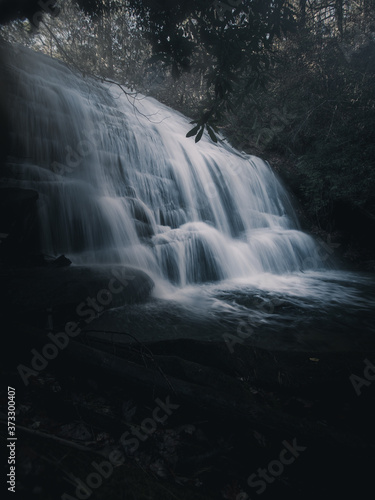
(191, 407)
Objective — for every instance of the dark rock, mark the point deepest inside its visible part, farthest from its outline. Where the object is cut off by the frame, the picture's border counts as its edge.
(14, 204)
(143, 229)
(18, 221)
(61, 261)
(32, 10)
(70, 293)
(139, 210)
(130, 191)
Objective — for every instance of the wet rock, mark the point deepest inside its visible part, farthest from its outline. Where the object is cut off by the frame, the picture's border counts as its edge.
(61, 261)
(70, 293)
(130, 191)
(143, 229)
(140, 211)
(15, 203)
(18, 224)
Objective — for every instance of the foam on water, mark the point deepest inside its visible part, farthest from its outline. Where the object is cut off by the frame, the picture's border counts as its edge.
(119, 182)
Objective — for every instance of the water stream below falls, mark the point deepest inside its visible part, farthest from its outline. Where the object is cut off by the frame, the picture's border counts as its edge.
(119, 182)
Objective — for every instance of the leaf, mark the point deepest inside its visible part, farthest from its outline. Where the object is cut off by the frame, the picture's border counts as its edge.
(193, 131)
(211, 133)
(199, 135)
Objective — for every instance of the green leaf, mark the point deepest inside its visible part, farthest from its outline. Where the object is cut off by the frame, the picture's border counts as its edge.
(211, 133)
(199, 135)
(193, 131)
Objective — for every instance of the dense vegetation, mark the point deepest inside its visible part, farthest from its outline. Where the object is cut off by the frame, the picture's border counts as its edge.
(289, 81)
(318, 114)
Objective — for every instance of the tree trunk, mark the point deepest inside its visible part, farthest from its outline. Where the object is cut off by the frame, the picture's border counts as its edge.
(302, 13)
(339, 9)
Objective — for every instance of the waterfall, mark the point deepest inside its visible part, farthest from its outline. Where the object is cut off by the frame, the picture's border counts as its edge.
(119, 182)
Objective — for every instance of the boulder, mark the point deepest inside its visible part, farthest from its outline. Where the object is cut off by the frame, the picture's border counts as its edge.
(15, 204)
(143, 229)
(130, 191)
(61, 261)
(140, 211)
(72, 293)
(18, 224)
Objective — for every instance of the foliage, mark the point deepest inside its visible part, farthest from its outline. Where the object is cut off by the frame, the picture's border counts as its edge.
(33, 10)
(318, 112)
(109, 46)
(228, 43)
(228, 47)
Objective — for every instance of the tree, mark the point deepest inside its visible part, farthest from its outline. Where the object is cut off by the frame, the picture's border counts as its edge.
(229, 43)
(111, 47)
(33, 10)
(317, 117)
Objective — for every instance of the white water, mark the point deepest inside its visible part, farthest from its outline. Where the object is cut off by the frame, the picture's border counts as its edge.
(120, 182)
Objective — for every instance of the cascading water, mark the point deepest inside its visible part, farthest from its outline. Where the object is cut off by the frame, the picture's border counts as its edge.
(119, 182)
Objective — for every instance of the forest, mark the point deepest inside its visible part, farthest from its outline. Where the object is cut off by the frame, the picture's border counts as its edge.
(187, 251)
